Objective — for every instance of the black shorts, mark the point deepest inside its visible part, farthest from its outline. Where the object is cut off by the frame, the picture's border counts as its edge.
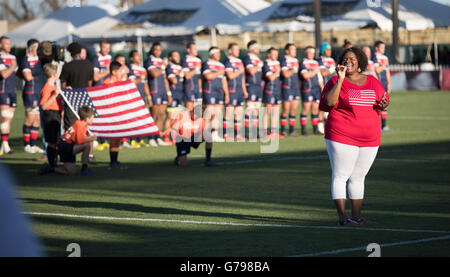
(184, 147)
(65, 152)
(52, 126)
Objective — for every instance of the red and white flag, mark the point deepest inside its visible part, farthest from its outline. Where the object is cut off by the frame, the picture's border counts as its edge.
(120, 111)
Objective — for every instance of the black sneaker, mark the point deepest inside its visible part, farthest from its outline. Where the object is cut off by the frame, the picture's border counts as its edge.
(87, 172)
(210, 163)
(117, 165)
(175, 161)
(46, 169)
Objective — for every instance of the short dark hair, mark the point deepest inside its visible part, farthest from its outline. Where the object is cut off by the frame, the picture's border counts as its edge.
(189, 44)
(114, 65)
(74, 48)
(118, 56)
(104, 41)
(231, 44)
(286, 47)
(360, 56)
(85, 112)
(250, 43)
(4, 37)
(132, 53)
(346, 42)
(378, 42)
(271, 49)
(212, 48)
(32, 41)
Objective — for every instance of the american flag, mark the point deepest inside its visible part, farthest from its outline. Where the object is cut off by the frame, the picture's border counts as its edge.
(120, 111)
(365, 98)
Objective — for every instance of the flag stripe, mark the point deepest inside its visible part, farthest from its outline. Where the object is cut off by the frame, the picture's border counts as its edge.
(140, 127)
(120, 110)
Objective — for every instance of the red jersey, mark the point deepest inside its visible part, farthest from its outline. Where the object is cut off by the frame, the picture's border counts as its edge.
(355, 119)
(76, 134)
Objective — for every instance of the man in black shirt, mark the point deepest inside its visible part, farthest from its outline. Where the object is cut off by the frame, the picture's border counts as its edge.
(78, 73)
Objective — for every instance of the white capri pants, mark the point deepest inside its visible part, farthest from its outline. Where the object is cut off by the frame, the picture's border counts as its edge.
(349, 163)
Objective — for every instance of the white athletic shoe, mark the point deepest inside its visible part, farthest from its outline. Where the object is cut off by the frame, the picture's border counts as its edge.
(5, 149)
(153, 143)
(37, 149)
(95, 144)
(161, 142)
(321, 128)
(215, 137)
(27, 149)
(126, 145)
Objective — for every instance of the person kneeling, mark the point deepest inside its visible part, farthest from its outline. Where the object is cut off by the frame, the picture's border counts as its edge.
(73, 141)
(189, 132)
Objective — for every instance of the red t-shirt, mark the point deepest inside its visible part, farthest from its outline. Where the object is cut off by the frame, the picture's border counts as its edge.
(76, 134)
(354, 120)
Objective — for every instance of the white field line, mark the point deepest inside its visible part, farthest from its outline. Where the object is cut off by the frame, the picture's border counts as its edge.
(162, 220)
(363, 248)
(406, 117)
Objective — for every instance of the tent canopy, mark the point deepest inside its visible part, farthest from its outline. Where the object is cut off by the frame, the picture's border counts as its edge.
(61, 24)
(295, 15)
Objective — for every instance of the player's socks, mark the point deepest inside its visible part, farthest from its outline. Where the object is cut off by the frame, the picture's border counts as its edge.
(34, 133)
(26, 135)
(237, 128)
(315, 122)
(303, 121)
(283, 124)
(291, 123)
(225, 126)
(246, 125)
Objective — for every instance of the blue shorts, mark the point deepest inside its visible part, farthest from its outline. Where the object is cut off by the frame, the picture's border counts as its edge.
(159, 98)
(272, 98)
(8, 98)
(290, 94)
(213, 98)
(254, 93)
(192, 95)
(177, 101)
(236, 99)
(311, 96)
(30, 100)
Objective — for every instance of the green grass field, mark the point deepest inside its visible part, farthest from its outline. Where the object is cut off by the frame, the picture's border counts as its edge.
(253, 204)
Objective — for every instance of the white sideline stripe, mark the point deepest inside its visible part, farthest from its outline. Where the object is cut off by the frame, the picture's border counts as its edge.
(318, 157)
(233, 223)
(420, 117)
(332, 252)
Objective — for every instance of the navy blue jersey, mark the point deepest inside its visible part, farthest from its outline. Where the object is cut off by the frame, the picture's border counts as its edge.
(327, 63)
(312, 83)
(290, 63)
(250, 61)
(7, 85)
(175, 70)
(156, 85)
(136, 72)
(233, 64)
(32, 64)
(270, 67)
(379, 60)
(191, 63)
(101, 64)
(215, 85)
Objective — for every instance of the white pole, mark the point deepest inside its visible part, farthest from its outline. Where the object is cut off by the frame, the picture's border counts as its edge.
(291, 36)
(213, 36)
(436, 54)
(139, 46)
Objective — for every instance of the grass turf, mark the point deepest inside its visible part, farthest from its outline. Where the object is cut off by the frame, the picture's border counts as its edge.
(407, 188)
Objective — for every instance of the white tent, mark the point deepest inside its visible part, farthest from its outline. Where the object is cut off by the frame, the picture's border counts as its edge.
(177, 17)
(62, 24)
(296, 15)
